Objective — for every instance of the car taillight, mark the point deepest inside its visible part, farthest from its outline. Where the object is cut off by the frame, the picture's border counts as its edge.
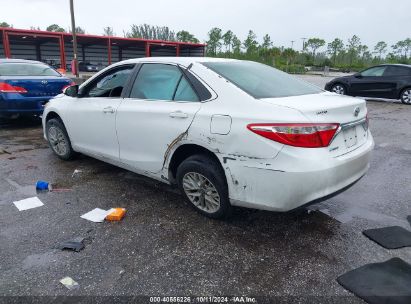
(8, 88)
(304, 135)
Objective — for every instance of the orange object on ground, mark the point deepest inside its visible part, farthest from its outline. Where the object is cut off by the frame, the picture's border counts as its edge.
(116, 215)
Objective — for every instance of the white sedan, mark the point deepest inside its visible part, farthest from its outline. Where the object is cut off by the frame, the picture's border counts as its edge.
(227, 132)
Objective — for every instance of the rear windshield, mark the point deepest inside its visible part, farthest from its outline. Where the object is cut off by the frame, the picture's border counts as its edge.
(26, 69)
(260, 80)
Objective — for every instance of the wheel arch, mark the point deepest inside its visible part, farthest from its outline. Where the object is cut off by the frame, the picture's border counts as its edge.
(183, 152)
(51, 115)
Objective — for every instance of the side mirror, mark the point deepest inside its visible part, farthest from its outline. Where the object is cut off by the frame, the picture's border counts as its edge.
(358, 75)
(71, 91)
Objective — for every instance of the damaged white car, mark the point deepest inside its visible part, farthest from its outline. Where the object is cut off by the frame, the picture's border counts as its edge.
(227, 132)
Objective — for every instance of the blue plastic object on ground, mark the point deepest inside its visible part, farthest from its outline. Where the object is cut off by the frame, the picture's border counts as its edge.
(42, 185)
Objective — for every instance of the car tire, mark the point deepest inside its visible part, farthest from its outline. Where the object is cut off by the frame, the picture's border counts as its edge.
(339, 88)
(58, 139)
(202, 182)
(405, 96)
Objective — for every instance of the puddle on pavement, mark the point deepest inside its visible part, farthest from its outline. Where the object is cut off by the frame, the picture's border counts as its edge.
(20, 139)
(350, 213)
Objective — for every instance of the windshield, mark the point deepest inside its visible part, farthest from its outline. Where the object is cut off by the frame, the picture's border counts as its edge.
(26, 69)
(260, 80)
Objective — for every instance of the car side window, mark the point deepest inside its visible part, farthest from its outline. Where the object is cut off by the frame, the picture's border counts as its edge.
(110, 84)
(374, 72)
(397, 71)
(185, 92)
(157, 81)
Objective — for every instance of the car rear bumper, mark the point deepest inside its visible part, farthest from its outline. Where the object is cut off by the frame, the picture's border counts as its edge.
(263, 187)
(30, 105)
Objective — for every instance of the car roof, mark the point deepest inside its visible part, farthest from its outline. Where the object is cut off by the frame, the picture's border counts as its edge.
(186, 61)
(396, 64)
(7, 60)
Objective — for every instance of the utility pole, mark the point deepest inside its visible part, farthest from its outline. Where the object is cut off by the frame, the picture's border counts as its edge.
(73, 32)
(303, 39)
(292, 44)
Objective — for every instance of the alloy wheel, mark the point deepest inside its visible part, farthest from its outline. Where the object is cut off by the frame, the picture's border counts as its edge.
(339, 89)
(406, 96)
(201, 192)
(57, 140)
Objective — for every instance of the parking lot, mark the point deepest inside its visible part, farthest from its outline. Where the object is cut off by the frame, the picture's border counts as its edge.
(163, 247)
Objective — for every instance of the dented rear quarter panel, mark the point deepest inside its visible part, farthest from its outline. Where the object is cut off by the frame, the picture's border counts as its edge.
(240, 148)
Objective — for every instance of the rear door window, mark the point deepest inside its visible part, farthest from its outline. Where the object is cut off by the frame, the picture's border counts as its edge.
(397, 71)
(185, 92)
(162, 82)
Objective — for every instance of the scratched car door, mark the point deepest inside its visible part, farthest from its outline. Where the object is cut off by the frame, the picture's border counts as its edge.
(159, 110)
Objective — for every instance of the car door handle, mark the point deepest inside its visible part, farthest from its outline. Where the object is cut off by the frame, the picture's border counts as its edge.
(109, 110)
(178, 114)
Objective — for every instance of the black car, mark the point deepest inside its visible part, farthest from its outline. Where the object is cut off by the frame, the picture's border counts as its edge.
(391, 81)
(87, 67)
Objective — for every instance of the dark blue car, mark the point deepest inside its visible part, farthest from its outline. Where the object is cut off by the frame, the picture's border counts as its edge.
(25, 86)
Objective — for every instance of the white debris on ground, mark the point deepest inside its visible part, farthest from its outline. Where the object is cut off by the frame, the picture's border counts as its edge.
(96, 215)
(76, 172)
(69, 283)
(28, 203)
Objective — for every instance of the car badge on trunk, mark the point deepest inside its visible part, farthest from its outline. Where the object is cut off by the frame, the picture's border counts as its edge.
(44, 81)
(356, 111)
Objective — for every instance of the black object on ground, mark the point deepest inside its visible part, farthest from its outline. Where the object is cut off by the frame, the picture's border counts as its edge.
(409, 219)
(75, 244)
(378, 283)
(390, 237)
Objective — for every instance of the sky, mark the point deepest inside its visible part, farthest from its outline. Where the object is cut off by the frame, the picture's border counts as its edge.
(284, 21)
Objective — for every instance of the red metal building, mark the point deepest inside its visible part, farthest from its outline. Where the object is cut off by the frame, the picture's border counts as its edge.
(57, 49)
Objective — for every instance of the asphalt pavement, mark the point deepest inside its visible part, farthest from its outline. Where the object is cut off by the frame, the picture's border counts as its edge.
(163, 247)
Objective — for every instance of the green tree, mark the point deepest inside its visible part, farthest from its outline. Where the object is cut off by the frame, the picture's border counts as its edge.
(147, 31)
(314, 44)
(380, 48)
(108, 31)
(362, 49)
(250, 43)
(228, 39)
(353, 54)
(79, 30)
(353, 48)
(407, 47)
(398, 48)
(185, 36)
(5, 24)
(236, 45)
(267, 43)
(214, 40)
(55, 28)
(334, 48)
(289, 53)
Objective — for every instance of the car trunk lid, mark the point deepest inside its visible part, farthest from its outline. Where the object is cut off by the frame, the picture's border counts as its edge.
(326, 107)
(39, 86)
